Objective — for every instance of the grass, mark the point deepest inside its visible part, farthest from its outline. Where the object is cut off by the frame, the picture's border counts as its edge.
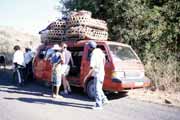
(165, 74)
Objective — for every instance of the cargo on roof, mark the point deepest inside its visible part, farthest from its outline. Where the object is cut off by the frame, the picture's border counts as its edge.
(76, 26)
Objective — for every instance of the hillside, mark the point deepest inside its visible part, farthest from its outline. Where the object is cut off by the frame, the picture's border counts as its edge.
(10, 37)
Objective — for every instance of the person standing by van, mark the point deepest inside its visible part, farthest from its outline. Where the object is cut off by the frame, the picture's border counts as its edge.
(28, 57)
(56, 60)
(18, 65)
(66, 67)
(97, 62)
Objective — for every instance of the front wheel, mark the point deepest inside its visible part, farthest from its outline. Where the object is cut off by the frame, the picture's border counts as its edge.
(90, 89)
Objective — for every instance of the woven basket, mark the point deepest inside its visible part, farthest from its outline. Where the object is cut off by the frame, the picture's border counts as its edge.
(53, 40)
(58, 34)
(78, 20)
(80, 13)
(99, 24)
(86, 32)
(59, 25)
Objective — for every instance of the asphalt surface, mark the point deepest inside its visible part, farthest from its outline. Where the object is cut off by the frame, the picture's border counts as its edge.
(33, 102)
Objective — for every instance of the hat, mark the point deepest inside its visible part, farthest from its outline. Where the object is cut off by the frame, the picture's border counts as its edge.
(92, 44)
(65, 45)
(56, 47)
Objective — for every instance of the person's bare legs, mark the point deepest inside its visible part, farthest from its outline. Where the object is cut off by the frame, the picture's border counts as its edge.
(57, 90)
(66, 85)
(53, 91)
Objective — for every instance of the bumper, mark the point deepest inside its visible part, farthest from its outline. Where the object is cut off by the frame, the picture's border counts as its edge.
(133, 83)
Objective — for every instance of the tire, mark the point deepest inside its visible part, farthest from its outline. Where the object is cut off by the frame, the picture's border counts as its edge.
(90, 89)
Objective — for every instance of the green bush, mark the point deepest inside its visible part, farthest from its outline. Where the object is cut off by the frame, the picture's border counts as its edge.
(151, 27)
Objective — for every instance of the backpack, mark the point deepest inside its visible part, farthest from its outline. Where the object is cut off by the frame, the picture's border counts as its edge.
(55, 58)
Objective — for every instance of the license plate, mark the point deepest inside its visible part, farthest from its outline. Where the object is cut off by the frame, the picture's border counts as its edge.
(138, 83)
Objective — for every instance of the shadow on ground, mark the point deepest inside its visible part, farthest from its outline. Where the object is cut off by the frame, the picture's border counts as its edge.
(112, 96)
(52, 101)
(36, 89)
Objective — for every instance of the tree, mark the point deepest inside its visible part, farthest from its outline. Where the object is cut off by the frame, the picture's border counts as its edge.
(151, 27)
(147, 25)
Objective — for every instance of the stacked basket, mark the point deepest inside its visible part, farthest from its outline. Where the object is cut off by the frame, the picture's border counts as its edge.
(57, 30)
(78, 25)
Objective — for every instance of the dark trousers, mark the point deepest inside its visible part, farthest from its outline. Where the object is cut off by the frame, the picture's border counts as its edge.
(18, 75)
(28, 72)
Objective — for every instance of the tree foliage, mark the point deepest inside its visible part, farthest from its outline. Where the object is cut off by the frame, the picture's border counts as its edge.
(149, 26)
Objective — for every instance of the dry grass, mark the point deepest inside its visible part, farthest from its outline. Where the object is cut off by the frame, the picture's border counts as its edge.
(160, 97)
(165, 75)
(10, 37)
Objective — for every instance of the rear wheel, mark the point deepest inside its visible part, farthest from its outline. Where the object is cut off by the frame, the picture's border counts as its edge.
(90, 89)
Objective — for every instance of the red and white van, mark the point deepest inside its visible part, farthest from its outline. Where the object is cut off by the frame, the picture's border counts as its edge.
(123, 68)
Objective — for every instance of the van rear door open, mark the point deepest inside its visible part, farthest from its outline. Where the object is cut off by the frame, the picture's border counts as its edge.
(75, 70)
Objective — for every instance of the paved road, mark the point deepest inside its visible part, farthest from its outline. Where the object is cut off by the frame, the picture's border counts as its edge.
(28, 103)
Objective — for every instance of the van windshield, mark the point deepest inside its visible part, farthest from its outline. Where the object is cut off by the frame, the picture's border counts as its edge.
(122, 52)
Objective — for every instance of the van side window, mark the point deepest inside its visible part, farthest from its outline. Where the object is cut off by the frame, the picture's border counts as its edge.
(77, 53)
(103, 49)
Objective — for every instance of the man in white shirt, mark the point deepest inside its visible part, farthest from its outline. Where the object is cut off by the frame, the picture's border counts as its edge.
(19, 64)
(97, 62)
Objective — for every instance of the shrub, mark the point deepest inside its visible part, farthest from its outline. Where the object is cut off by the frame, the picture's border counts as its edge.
(165, 74)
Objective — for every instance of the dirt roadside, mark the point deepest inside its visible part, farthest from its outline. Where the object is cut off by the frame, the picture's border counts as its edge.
(159, 97)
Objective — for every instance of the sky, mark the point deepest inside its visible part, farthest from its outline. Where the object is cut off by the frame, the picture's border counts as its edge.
(28, 15)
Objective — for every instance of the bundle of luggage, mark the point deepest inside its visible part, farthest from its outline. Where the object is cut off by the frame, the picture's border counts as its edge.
(77, 25)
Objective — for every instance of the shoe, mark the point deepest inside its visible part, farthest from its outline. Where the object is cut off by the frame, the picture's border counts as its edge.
(53, 96)
(65, 92)
(69, 90)
(105, 102)
(59, 96)
(97, 108)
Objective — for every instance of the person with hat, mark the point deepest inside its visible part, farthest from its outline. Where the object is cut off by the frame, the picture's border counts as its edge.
(97, 63)
(56, 60)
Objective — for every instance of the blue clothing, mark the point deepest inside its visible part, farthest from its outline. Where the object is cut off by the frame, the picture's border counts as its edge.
(56, 69)
(56, 58)
(99, 94)
(56, 75)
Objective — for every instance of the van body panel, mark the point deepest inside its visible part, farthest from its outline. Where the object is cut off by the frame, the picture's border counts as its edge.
(121, 72)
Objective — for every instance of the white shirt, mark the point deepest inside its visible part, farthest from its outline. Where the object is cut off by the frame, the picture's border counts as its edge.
(97, 62)
(19, 58)
(28, 57)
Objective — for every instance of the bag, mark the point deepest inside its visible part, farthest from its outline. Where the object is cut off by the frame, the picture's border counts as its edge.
(55, 59)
